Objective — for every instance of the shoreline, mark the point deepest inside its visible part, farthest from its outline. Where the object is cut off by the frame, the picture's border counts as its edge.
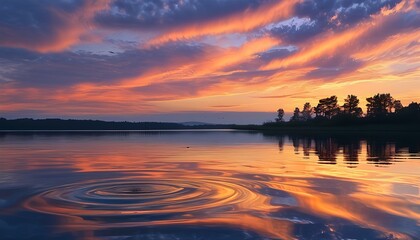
(368, 129)
(364, 129)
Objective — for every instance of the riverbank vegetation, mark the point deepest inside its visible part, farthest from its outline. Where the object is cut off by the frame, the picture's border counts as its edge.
(381, 110)
(383, 113)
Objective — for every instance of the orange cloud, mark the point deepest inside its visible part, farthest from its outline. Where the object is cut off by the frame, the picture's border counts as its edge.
(212, 63)
(327, 45)
(351, 41)
(67, 29)
(389, 62)
(242, 22)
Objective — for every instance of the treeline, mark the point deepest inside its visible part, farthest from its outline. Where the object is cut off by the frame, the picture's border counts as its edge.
(60, 124)
(381, 108)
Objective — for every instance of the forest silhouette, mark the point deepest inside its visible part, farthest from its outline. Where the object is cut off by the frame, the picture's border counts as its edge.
(381, 108)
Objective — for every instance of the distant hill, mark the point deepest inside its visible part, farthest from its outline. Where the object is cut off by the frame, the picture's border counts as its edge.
(195, 123)
(71, 124)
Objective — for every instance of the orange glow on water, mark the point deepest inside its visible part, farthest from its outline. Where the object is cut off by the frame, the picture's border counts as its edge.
(250, 185)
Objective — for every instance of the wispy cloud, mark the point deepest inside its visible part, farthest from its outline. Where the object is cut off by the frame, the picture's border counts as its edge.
(154, 56)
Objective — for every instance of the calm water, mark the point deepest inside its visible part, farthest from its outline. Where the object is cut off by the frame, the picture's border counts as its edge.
(208, 185)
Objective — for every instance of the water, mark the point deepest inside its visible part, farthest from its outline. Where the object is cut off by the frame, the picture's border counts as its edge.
(208, 185)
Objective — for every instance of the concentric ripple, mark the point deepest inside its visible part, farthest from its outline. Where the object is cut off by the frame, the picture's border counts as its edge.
(142, 197)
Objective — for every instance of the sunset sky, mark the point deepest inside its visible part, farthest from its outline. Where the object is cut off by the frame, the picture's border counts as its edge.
(202, 60)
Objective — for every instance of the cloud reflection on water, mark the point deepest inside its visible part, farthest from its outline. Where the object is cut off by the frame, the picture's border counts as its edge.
(208, 185)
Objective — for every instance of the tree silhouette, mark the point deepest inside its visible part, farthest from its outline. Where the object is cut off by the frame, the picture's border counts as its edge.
(351, 106)
(379, 105)
(280, 115)
(327, 107)
(411, 113)
(307, 112)
(382, 108)
(397, 105)
(296, 115)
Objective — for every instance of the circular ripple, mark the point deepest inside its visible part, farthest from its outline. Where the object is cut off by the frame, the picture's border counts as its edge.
(140, 197)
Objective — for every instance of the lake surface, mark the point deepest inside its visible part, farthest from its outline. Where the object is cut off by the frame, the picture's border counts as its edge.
(208, 185)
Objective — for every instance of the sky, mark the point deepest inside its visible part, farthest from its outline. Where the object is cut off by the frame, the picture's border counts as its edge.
(219, 61)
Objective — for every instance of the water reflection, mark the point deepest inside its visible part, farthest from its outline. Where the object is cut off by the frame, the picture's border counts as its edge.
(380, 150)
(208, 185)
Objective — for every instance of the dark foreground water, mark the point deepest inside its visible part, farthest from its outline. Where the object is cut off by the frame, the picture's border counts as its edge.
(208, 185)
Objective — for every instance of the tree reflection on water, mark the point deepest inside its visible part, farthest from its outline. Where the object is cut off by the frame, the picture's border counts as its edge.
(380, 151)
